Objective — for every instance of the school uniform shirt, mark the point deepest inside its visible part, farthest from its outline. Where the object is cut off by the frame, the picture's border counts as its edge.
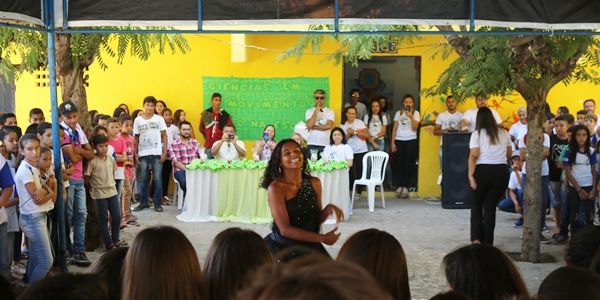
(557, 145)
(546, 144)
(376, 124)
(471, 116)
(172, 134)
(447, 121)
(77, 139)
(404, 132)
(513, 182)
(228, 152)
(149, 131)
(517, 130)
(319, 137)
(338, 152)
(580, 168)
(102, 177)
(488, 153)
(26, 174)
(6, 181)
(358, 144)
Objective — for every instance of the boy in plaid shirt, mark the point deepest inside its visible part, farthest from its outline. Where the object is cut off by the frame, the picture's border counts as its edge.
(182, 151)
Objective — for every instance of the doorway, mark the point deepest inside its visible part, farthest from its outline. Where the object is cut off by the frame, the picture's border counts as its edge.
(391, 77)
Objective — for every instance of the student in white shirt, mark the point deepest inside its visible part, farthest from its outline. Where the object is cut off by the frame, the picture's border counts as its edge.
(404, 144)
(490, 150)
(150, 133)
(448, 120)
(357, 135)
(337, 148)
(467, 123)
(229, 147)
(519, 129)
(377, 122)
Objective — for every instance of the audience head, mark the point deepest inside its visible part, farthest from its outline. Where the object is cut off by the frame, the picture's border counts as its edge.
(96, 120)
(323, 280)
(375, 109)
(562, 110)
(178, 116)
(299, 139)
(10, 137)
(32, 128)
(354, 96)
(215, 101)
(36, 116)
(67, 286)
(68, 111)
(8, 119)
(92, 113)
(580, 135)
(589, 105)
(126, 123)
(152, 271)
(485, 120)
(408, 101)
(380, 254)
(337, 136)
(136, 113)
(100, 143)
(567, 283)
(284, 152)
(103, 121)
(384, 103)
(124, 107)
(584, 248)
(522, 114)
(185, 129)
(233, 255)
(570, 120)
(481, 101)
(99, 130)
(319, 96)
(149, 105)
(160, 107)
(581, 117)
(270, 130)
(450, 103)
(167, 116)
(483, 272)
(118, 112)
(590, 121)
(450, 295)
(109, 266)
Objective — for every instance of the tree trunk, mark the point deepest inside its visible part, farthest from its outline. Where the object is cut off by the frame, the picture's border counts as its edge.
(72, 84)
(533, 202)
(7, 94)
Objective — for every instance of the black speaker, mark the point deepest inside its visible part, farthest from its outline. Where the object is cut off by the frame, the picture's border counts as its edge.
(456, 192)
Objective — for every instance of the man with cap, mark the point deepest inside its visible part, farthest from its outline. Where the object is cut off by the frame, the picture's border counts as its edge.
(76, 147)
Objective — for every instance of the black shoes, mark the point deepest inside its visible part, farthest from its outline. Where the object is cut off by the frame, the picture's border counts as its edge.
(158, 208)
(80, 259)
(141, 207)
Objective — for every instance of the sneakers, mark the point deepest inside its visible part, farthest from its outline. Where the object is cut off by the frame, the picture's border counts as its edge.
(157, 208)
(80, 259)
(558, 240)
(141, 207)
(545, 228)
(518, 223)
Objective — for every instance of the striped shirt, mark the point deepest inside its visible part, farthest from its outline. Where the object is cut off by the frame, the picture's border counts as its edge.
(182, 152)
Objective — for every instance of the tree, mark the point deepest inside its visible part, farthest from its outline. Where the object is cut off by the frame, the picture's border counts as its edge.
(500, 64)
(20, 51)
(76, 52)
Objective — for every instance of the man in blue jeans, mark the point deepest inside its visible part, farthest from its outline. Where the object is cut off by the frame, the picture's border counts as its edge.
(76, 147)
(150, 133)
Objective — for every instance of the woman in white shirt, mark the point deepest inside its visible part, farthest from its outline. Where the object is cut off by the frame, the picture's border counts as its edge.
(377, 123)
(357, 140)
(405, 144)
(490, 150)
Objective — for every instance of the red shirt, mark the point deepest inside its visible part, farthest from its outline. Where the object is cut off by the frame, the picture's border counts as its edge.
(213, 133)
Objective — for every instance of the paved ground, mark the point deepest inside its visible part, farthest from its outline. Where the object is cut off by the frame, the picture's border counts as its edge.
(426, 231)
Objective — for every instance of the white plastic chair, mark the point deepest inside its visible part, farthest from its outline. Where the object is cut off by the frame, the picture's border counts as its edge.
(177, 193)
(378, 161)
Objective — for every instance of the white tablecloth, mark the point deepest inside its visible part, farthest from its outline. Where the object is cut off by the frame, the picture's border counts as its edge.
(201, 198)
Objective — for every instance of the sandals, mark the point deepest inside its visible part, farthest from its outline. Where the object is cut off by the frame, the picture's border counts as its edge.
(133, 223)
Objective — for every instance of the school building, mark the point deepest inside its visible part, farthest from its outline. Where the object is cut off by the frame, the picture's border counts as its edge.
(246, 70)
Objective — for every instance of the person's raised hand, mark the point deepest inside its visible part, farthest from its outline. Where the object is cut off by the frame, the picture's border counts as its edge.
(330, 209)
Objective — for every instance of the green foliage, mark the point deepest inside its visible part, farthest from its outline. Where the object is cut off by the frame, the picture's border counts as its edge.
(21, 51)
(352, 47)
(85, 47)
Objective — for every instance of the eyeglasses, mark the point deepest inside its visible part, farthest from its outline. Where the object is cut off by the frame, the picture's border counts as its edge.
(356, 96)
(319, 97)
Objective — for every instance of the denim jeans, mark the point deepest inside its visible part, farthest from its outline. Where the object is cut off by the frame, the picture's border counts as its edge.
(76, 214)
(104, 206)
(142, 181)
(4, 259)
(180, 177)
(380, 143)
(507, 204)
(35, 227)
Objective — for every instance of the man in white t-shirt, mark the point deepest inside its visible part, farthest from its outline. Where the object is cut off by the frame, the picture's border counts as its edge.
(229, 148)
(448, 120)
(518, 129)
(319, 121)
(469, 118)
(150, 133)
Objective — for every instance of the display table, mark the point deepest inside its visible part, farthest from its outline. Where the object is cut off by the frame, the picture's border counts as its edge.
(234, 195)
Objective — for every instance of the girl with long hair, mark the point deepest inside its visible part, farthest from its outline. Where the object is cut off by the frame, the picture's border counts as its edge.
(294, 198)
(405, 144)
(488, 176)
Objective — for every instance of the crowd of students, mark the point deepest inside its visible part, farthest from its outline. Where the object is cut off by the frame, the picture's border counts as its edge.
(370, 265)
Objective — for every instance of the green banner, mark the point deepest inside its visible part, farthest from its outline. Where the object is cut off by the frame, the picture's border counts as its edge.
(255, 102)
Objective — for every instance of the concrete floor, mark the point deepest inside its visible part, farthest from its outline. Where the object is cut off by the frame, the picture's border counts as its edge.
(426, 231)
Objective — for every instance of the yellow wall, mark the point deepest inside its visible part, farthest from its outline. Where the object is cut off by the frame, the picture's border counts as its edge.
(177, 80)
